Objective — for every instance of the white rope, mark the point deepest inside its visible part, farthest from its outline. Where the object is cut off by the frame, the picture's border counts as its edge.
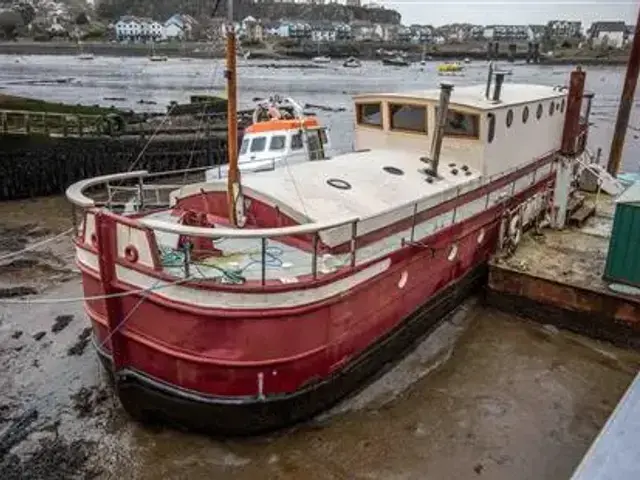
(35, 245)
(46, 301)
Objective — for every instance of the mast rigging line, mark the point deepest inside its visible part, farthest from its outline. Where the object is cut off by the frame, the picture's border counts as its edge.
(35, 246)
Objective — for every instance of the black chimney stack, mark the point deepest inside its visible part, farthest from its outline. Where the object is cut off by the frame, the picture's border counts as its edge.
(498, 89)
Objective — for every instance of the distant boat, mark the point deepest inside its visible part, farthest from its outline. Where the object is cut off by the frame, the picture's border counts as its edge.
(84, 55)
(157, 58)
(467, 60)
(450, 67)
(396, 61)
(352, 62)
(321, 59)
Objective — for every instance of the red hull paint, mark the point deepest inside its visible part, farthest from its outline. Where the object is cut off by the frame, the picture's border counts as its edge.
(222, 353)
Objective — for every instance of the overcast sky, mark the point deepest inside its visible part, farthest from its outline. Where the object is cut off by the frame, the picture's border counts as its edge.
(483, 12)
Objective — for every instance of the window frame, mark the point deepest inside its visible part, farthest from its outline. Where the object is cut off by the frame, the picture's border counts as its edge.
(284, 143)
(476, 124)
(359, 121)
(408, 130)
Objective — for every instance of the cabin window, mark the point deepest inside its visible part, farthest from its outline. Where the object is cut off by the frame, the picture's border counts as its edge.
(412, 118)
(525, 114)
(460, 124)
(509, 118)
(552, 108)
(258, 144)
(369, 114)
(296, 142)
(323, 136)
(491, 133)
(539, 112)
(245, 146)
(277, 142)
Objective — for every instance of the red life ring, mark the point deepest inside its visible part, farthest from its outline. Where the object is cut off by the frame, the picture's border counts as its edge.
(131, 253)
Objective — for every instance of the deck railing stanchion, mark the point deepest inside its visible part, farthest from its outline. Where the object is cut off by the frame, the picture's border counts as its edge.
(141, 194)
(314, 257)
(354, 234)
(413, 221)
(263, 242)
(187, 259)
(108, 185)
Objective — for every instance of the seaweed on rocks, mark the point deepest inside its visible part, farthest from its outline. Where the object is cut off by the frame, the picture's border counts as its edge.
(78, 348)
(61, 323)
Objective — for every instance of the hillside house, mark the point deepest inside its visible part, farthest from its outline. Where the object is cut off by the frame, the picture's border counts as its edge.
(251, 30)
(608, 34)
(362, 30)
(179, 27)
(562, 29)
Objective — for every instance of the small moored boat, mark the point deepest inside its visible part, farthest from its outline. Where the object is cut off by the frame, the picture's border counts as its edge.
(352, 62)
(396, 61)
(321, 59)
(450, 68)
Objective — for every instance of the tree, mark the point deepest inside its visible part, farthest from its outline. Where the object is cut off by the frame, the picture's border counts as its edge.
(82, 19)
(10, 22)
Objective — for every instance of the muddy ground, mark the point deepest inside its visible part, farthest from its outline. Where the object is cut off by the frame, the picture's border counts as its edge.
(485, 396)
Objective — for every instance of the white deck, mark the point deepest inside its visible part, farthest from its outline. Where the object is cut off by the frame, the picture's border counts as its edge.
(373, 190)
(473, 96)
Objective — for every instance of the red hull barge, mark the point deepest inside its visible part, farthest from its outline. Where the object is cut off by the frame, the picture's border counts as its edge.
(340, 266)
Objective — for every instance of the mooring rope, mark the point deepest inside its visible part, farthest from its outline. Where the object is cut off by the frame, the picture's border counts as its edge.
(45, 301)
(35, 246)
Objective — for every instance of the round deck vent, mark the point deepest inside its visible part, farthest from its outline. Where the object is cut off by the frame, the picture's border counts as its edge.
(339, 184)
(454, 171)
(393, 170)
(429, 180)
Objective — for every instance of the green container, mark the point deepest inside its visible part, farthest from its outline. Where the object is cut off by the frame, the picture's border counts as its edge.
(623, 259)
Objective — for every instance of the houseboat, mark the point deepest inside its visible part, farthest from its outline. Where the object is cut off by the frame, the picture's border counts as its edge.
(246, 305)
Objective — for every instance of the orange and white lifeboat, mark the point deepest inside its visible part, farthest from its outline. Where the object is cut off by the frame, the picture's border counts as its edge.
(281, 134)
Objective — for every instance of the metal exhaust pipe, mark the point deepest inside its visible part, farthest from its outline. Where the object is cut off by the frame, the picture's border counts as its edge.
(498, 89)
(438, 134)
(489, 78)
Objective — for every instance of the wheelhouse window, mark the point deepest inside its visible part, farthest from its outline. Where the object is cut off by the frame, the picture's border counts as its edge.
(411, 118)
(296, 142)
(258, 144)
(460, 124)
(369, 114)
(277, 142)
(245, 146)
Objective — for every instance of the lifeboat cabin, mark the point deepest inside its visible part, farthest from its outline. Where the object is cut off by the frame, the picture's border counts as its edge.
(280, 135)
(326, 274)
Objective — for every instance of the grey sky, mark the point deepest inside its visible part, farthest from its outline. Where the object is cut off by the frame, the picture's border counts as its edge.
(483, 12)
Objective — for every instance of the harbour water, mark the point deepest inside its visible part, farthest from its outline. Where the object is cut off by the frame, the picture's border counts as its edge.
(485, 396)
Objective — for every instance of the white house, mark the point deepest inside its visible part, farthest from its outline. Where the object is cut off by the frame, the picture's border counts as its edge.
(179, 27)
(610, 34)
(128, 28)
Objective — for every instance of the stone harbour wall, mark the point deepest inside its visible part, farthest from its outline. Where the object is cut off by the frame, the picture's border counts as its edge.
(37, 165)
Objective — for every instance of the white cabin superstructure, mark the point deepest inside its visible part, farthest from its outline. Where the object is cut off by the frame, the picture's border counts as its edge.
(490, 136)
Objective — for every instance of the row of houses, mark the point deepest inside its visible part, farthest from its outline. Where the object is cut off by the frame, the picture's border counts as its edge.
(179, 27)
(137, 29)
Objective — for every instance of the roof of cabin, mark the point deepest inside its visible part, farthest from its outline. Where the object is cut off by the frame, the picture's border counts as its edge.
(373, 190)
(474, 96)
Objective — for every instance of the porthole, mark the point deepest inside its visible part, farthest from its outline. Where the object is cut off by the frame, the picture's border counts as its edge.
(453, 253)
(552, 108)
(509, 118)
(562, 106)
(491, 132)
(393, 170)
(539, 112)
(481, 236)
(525, 114)
(339, 184)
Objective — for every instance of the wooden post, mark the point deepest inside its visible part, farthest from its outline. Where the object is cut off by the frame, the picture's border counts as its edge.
(105, 229)
(233, 175)
(45, 124)
(5, 123)
(572, 115)
(27, 123)
(80, 125)
(65, 127)
(626, 103)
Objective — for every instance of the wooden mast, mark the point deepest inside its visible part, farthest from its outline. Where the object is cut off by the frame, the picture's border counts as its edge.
(233, 176)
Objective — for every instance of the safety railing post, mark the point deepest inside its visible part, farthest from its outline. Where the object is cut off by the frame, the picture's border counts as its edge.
(263, 255)
(354, 234)
(314, 256)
